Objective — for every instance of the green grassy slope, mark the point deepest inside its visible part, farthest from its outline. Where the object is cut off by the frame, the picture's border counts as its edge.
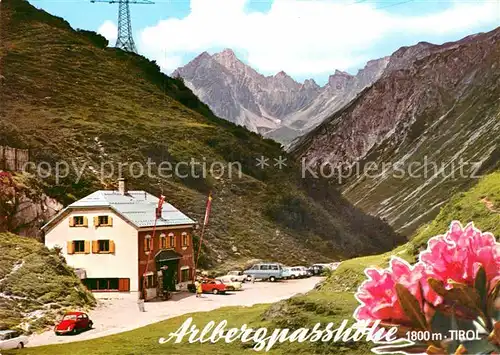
(35, 284)
(333, 302)
(480, 204)
(68, 97)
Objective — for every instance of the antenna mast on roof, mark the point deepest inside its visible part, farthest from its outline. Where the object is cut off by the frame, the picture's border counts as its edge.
(125, 39)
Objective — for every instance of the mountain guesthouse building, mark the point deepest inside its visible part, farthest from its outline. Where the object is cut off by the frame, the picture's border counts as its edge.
(108, 238)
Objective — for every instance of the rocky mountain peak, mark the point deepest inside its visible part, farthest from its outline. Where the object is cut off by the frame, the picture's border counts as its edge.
(277, 106)
(310, 84)
(404, 56)
(201, 58)
(341, 73)
(203, 55)
(286, 80)
(227, 54)
(339, 80)
(281, 75)
(241, 71)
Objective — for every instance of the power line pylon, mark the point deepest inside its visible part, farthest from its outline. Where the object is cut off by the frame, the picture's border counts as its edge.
(125, 38)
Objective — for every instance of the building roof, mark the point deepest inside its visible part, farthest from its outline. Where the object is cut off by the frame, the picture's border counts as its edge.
(137, 207)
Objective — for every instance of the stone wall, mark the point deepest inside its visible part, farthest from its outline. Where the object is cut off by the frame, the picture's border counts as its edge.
(13, 159)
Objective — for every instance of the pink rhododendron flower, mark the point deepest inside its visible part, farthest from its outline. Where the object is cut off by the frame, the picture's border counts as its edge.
(459, 254)
(455, 256)
(378, 297)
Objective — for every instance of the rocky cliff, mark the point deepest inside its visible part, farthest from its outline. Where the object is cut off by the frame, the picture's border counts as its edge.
(426, 129)
(276, 106)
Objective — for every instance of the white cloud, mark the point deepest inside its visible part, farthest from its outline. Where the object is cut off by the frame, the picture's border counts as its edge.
(170, 62)
(109, 30)
(300, 37)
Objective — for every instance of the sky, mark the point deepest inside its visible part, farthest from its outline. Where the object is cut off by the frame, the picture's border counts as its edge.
(304, 38)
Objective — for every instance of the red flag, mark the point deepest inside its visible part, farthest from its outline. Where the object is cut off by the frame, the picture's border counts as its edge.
(207, 212)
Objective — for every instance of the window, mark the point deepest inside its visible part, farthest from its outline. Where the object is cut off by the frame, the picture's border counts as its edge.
(163, 241)
(78, 221)
(171, 240)
(273, 267)
(185, 275)
(79, 246)
(185, 240)
(264, 267)
(147, 243)
(14, 335)
(9, 335)
(103, 245)
(103, 221)
(102, 284)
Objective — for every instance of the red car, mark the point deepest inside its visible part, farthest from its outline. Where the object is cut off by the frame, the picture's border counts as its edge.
(73, 322)
(213, 286)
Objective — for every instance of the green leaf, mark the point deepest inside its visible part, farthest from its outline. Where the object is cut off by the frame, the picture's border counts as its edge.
(411, 307)
(460, 295)
(443, 323)
(440, 323)
(480, 346)
(437, 286)
(481, 287)
(453, 344)
(492, 297)
(466, 296)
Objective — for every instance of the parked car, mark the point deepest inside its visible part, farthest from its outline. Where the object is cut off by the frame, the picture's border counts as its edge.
(72, 323)
(286, 272)
(11, 339)
(231, 285)
(265, 271)
(316, 269)
(295, 273)
(298, 272)
(237, 276)
(305, 271)
(213, 286)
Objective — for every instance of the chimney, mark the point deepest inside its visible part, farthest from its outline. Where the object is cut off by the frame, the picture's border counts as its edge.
(122, 186)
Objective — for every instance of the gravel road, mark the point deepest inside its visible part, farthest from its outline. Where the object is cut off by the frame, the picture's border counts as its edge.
(119, 315)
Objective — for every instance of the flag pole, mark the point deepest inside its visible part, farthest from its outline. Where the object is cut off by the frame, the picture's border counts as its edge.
(205, 222)
(158, 212)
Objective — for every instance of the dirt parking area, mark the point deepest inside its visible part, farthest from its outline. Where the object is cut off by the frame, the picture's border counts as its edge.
(119, 315)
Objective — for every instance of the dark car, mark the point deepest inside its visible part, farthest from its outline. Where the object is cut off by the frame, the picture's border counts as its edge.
(72, 323)
(316, 270)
